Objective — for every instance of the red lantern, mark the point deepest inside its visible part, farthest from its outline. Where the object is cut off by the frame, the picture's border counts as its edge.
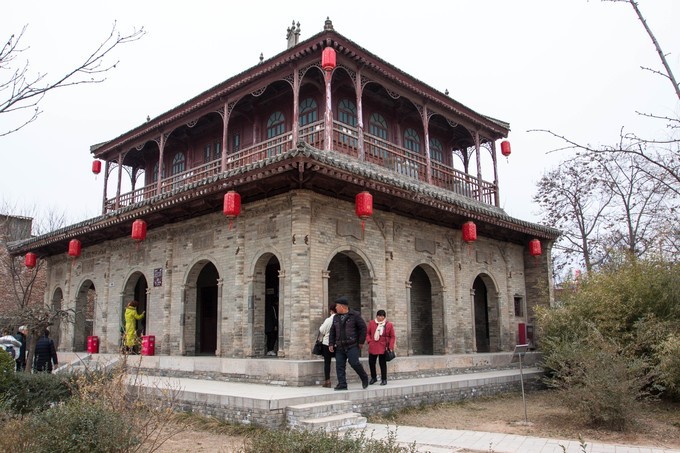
(363, 206)
(74, 248)
(534, 247)
(469, 232)
(31, 259)
(232, 205)
(96, 166)
(505, 148)
(139, 230)
(328, 59)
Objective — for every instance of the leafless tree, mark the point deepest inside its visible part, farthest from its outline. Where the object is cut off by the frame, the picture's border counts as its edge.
(22, 290)
(21, 91)
(573, 201)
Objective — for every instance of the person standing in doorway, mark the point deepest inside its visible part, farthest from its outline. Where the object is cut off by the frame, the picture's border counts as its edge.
(45, 354)
(131, 317)
(271, 324)
(380, 337)
(346, 338)
(325, 330)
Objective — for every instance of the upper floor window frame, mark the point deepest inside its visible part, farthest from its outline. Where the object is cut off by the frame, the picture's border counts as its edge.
(178, 163)
(412, 140)
(276, 124)
(309, 112)
(347, 112)
(378, 127)
(436, 150)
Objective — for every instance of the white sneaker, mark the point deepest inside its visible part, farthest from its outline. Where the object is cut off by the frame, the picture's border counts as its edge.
(271, 353)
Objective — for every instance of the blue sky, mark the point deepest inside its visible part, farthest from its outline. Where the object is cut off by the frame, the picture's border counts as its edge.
(569, 66)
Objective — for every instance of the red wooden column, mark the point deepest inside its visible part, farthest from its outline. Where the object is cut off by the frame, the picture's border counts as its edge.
(225, 146)
(497, 197)
(479, 166)
(107, 169)
(161, 147)
(296, 105)
(120, 177)
(328, 113)
(426, 137)
(359, 89)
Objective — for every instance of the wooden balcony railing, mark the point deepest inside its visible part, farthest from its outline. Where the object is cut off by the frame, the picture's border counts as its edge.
(345, 140)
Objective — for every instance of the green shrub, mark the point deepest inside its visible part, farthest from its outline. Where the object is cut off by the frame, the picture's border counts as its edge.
(7, 367)
(77, 426)
(36, 392)
(669, 364)
(598, 381)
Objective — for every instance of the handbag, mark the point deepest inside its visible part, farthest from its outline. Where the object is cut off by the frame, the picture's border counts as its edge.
(317, 349)
(390, 355)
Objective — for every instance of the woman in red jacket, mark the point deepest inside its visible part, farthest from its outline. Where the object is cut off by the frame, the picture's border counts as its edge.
(379, 336)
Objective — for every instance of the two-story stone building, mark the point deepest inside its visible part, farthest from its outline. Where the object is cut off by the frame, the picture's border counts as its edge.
(297, 137)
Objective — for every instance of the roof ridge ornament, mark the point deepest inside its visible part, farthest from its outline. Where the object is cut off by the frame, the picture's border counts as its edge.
(293, 34)
(328, 25)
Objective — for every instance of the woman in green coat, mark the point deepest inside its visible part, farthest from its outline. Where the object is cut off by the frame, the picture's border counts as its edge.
(131, 318)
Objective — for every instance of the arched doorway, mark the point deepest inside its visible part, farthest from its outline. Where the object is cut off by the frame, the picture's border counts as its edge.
(487, 325)
(205, 339)
(84, 315)
(426, 312)
(348, 276)
(481, 316)
(55, 330)
(136, 288)
(266, 312)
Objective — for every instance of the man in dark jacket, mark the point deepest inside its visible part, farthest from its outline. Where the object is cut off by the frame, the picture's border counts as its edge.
(22, 337)
(45, 354)
(346, 338)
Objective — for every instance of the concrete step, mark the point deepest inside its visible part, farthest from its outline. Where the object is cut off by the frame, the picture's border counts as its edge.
(318, 409)
(337, 422)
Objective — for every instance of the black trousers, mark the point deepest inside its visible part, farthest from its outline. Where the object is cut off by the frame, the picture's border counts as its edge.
(383, 366)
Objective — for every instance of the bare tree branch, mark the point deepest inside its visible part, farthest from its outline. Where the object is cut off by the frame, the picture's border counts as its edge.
(21, 91)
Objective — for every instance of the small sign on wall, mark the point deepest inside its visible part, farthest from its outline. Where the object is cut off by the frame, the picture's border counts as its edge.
(158, 276)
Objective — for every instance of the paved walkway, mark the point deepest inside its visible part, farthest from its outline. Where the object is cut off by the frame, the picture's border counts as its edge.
(427, 439)
(452, 440)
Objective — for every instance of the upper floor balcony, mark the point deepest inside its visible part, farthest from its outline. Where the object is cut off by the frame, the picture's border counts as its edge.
(363, 108)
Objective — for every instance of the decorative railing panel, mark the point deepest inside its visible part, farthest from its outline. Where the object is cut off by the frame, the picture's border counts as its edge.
(345, 140)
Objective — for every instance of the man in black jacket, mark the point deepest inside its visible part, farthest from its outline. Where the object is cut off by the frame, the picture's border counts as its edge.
(45, 354)
(347, 336)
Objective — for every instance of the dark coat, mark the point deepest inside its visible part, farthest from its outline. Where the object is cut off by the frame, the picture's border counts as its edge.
(348, 330)
(45, 355)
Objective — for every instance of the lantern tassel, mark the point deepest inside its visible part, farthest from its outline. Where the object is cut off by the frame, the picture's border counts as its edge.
(363, 223)
(230, 223)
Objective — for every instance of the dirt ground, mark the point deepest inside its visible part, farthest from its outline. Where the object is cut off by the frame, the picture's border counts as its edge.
(656, 425)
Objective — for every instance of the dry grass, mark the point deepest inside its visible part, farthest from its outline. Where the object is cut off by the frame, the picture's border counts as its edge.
(656, 424)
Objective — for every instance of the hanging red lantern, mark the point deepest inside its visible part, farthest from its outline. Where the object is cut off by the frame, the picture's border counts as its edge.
(534, 247)
(74, 248)
(505, 148)
(469, 231)
(31, 260)
(232, 205)
(139, 230)
(363, 206)
(328, 59)
(96, 166)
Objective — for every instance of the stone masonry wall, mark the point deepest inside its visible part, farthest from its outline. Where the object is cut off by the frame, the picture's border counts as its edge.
(304, 231)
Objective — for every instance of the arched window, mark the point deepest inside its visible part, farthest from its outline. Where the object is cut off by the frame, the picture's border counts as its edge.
(436, 150)
(412, 140)
(377, 127)
(308, 112)
(154, 172)
(347, 113)
(276, 125)
(178, 163)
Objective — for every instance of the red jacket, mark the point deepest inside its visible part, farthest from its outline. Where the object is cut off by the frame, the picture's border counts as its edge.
(386, 339)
